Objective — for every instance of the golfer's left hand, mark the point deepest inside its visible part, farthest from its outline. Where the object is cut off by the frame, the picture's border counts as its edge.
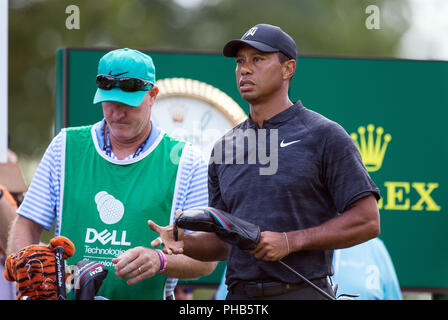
(272, 246)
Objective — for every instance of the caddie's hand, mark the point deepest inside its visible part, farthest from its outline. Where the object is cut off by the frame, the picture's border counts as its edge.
(272, 246)
(138, 263)
(166, 237)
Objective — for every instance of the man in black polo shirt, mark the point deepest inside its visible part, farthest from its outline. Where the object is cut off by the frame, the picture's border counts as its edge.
(316, 197)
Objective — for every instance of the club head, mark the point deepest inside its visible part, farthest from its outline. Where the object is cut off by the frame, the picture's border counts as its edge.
(88, 277)
(229, 228)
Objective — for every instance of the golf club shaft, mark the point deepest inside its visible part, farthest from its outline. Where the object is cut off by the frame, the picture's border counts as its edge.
(322, 292)
(60, 272)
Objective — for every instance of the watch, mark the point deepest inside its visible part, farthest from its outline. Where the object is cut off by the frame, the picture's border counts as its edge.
(1, 193)
(195, 111)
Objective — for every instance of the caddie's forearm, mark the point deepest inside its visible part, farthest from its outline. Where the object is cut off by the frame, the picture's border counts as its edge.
(205, 246)
(182, 267)
(24, 232)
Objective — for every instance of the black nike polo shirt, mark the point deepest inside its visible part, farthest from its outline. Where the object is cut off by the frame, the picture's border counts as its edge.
(306, 171)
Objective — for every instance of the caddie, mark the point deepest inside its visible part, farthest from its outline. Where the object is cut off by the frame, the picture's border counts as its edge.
(100, 184)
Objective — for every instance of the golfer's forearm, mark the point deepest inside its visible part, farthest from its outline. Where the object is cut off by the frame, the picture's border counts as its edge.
(326, 237)
(183, 267)
(356, 225)
(205, 246)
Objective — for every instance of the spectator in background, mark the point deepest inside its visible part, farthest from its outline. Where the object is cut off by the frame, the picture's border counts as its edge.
(222, 291)
(11, 177)
(8, 207)
(12, 187)
(366, 269)
(182, 292)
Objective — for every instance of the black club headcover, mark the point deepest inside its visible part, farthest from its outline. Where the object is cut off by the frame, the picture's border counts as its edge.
(227, 227)
(88, 277)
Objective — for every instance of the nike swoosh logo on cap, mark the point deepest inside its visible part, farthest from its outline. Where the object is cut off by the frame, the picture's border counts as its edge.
(283, 144)
(118, 74)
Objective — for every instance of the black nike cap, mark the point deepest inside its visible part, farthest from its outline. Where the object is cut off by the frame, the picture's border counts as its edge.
(265, 38)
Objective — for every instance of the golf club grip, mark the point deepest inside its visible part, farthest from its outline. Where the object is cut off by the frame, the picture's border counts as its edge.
(322, 292)
(60, 272)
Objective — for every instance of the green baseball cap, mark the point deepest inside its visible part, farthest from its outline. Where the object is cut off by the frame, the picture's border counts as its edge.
(125, 63)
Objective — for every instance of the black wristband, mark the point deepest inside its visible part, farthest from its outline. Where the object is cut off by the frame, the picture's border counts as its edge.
(1, 193)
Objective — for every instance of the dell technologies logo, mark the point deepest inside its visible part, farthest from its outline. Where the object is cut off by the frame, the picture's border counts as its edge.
(110, 212)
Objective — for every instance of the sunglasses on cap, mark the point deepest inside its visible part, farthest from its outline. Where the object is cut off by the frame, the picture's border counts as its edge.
(107, 82)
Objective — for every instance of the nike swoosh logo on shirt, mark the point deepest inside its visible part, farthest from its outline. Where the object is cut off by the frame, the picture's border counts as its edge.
(283, 144)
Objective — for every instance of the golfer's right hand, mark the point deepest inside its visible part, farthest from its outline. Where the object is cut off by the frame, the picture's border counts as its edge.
(166, 235)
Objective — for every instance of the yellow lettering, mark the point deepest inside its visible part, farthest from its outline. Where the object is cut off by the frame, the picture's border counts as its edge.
(395, 195)
(425, 197)
(398, 196)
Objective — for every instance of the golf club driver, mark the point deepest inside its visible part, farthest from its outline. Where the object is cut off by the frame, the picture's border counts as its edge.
(231, 229)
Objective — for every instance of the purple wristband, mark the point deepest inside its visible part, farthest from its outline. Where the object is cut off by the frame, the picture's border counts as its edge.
(162, 258)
